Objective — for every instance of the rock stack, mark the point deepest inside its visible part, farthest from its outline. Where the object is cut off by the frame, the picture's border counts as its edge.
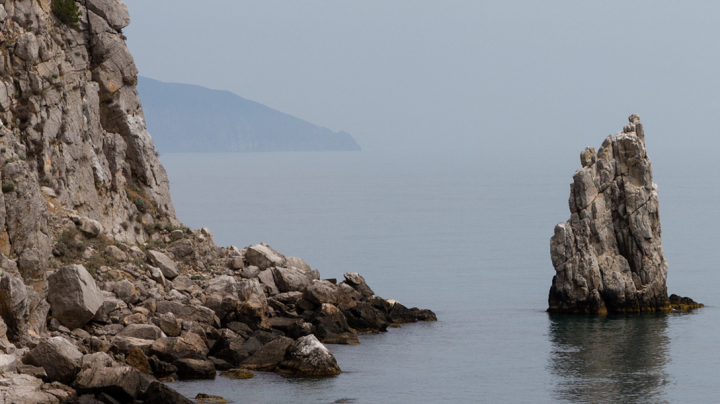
(608, 257)
(103, 293)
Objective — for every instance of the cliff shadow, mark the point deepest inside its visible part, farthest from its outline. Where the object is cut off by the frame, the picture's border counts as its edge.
(609, 359)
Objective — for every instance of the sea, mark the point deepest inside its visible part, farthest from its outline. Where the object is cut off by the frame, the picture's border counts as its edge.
(469, 239)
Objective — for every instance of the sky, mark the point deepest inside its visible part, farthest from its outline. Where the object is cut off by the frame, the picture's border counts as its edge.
(513, 80)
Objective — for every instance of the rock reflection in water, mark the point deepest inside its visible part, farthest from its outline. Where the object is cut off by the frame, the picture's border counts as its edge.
(613, 359)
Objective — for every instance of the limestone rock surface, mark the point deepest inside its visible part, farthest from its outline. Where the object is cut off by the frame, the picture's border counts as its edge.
(73, 296)
(608, 256)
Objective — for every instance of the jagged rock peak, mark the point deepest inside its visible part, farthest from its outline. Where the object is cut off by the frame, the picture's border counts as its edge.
(73, 142)
(608, 257)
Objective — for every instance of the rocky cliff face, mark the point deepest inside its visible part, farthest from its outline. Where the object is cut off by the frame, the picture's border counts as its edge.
(72, 132)
(102, 291)
(608, 256)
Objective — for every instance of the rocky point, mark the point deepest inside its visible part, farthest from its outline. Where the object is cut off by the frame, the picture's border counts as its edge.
(608, 257)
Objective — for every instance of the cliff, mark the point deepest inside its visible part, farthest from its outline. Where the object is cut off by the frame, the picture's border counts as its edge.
(608, 256)
(104, 294)
(73, 137)
(185, 118)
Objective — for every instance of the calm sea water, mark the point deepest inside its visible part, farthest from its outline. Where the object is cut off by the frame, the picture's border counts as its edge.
(469, 240)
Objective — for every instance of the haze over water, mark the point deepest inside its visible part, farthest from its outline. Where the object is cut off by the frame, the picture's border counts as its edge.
(469, 239)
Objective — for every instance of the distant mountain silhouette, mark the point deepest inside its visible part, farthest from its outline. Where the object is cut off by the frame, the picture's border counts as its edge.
(189, 118)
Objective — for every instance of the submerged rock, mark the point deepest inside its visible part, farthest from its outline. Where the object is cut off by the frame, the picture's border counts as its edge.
(608, 257)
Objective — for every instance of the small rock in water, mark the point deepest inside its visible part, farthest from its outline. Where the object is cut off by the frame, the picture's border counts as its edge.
(207, 398)
(241, 374)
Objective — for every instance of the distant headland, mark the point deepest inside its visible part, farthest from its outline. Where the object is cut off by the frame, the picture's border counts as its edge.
(187, 118)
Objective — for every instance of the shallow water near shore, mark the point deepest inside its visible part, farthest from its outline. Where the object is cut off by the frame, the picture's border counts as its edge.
(469, 240)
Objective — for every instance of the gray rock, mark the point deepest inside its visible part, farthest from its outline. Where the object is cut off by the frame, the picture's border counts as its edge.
(291, 279)
(186, 312)
(115, 253)
(91, 228)
(181, 248)
(320, 292)
(267, 279)
(126, 344)
(608, 257)
(195, 369)
(167, 322)
(143, 331)
(58, 356)
(250, 272)
(167, 266)
(28, 47)
(73, 296)
(298, 263)
(173, 348)
(309, 357)
(14, 306)
(269, 355)
(263, 256)
(355, 280)
(121, 382)
(126, 291)
(115, 12)
(158, 393)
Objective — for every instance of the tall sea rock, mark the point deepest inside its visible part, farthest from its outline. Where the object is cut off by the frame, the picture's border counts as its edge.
(608, 257)
(72, 131)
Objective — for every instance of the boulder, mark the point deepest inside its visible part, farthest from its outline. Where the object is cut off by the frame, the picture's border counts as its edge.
(186, 312)
(126, 291)
(233, 349)
(142, 331)
(171, 349)
(91, 228)
(288, 297)
(181, 248)
(253, 302)
(73, 296)
(170, 325)
(58, 356)
(401, 314)
(137, 359)
(14, 306)
(269, 355)
(267, 279)
(263, 256)
(161, 368)
(358, 283)
(309, 357)
(291, 279)
(127, 344)
(121, 382)
(159, 393)
(115, 253)
(320, 292)
(237, 263)
(249, 272)
(366, 318)
(167, 266)
(102, 315)
(298, 263)
(222, 285)
(331, 324)
(194, 369)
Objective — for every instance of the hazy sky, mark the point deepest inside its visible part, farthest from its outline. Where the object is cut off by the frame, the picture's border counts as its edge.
(495, 78)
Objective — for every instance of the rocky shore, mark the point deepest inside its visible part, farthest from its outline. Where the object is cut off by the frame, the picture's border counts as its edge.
(608, 257)
(104, 294)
